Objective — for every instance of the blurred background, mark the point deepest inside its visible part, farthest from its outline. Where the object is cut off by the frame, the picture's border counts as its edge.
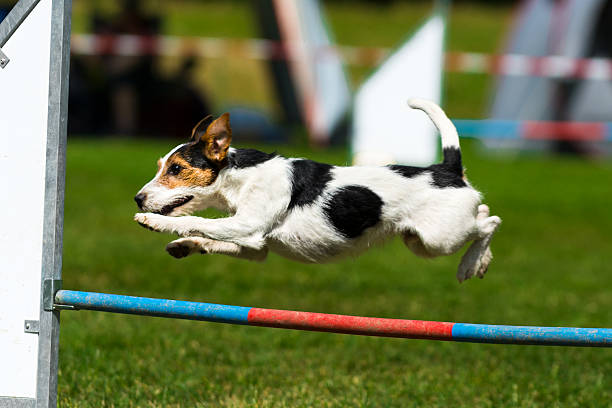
(297, 71)
(527, 83)
(292, 71)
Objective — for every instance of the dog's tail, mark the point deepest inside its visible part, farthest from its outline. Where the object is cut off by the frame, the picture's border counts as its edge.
(448, 132)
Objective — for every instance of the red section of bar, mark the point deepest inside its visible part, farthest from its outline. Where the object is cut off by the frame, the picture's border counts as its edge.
(537, 66)
(495, 64)
(149, 45)
(452, 61)
(578, 131)
(105, 44)
(367, 326)
(581, 66)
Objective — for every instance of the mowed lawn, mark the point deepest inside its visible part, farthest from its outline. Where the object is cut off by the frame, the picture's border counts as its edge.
(551, 267)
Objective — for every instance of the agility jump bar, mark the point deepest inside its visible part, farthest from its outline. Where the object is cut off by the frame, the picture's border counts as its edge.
(365, 326)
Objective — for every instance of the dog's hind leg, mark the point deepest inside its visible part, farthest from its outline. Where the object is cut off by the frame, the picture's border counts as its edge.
(477, 258)
(414, 243)
(183, 247)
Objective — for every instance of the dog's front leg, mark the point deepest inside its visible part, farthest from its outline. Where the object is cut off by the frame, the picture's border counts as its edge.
(183, 247)
(161, 223)
(240, 230)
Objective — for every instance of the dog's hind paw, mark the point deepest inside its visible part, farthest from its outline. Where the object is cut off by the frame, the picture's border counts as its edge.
(464, 273)
(485, 261)
(474, 263)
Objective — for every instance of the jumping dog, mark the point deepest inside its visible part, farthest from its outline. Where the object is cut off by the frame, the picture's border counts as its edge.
(314, 212)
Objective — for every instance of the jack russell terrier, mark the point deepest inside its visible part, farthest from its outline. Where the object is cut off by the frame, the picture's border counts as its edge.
(314, 212)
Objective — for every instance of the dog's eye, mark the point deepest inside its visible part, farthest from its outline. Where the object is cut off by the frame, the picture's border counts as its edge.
(174, 169)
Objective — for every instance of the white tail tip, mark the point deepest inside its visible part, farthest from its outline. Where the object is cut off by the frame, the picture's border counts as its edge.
(439, 119)
(419, 103)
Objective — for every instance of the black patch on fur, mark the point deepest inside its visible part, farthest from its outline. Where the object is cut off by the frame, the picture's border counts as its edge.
(243, 158)
(452, 159)
(239, 159)
(194, 155)
(308, 181)
(352, 209)
(444, 177)
(407, 171)
(449, 173)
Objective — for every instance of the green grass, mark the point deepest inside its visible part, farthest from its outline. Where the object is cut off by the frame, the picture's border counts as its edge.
(551, 268)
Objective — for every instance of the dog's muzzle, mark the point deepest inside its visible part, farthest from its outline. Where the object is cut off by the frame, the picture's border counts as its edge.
(166, 209)
(140, 198)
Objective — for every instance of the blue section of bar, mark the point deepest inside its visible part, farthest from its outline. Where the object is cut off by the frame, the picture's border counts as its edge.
(177, 309)
(488, 129)
(553, 336)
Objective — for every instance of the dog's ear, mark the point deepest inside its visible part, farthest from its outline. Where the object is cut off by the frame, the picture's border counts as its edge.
(199, 130)
(217, 138)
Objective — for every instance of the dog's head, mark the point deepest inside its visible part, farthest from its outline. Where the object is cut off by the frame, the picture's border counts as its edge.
(185, 179)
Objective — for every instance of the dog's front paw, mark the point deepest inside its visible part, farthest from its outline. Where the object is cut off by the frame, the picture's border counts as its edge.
(142, 220)
(179, 249)
(150, 221)
(183, 247)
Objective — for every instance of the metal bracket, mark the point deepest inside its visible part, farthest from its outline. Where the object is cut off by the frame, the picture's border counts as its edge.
(31, 326)
(50, 288)
(64, 307)
(4, 60)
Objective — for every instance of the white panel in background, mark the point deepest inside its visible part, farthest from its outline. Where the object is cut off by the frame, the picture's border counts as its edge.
(385, 129)
(316, 68)
(24, 93)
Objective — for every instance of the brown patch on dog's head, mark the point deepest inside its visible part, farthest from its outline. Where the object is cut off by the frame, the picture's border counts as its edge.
(214, 136)
(198, 163)
(178, 172)
(200, 129)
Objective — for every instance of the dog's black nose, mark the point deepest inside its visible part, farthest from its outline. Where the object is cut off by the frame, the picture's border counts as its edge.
(140, 197)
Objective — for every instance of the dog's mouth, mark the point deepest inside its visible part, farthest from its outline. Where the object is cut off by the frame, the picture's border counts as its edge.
(167, 209)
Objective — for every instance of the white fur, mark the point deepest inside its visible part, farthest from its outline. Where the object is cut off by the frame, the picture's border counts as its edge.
(448, 132)
(433, 221)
